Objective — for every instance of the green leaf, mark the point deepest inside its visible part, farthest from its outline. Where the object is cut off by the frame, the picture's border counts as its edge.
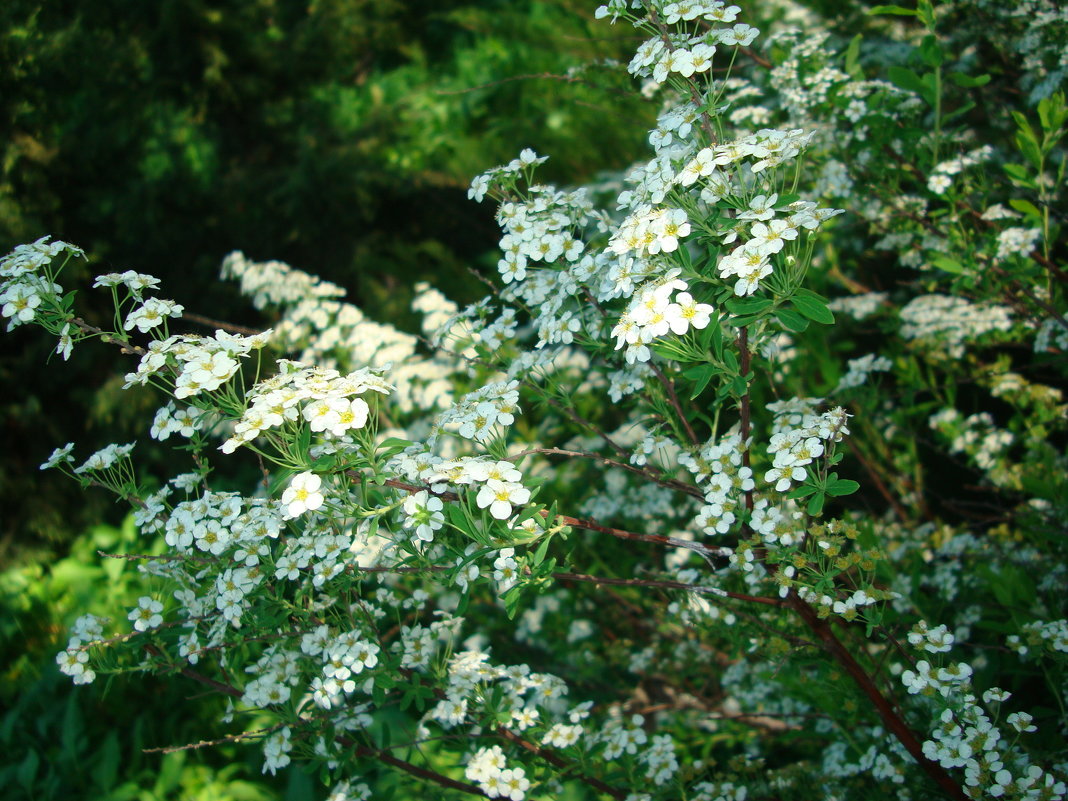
(748, 305)
(930, 51)
(1019, 175)
(791, 320)
(815, 506)
(170, 774)
(925, 11)
(28, 769)
(539, 554)
(812, 306)
(107, 762)
(511, 601)
(712, 336)
(947, 264)
(683, 254)
(843, 486)
(899, 11)
(701, 379)
(965, 81)
(1052, 112)
(393, 445)
(1026, 141)
(906, 79)
(852, 56)
(1027, 207)
(958, 112)
(741, 322)
(802, 492)
(303, 442)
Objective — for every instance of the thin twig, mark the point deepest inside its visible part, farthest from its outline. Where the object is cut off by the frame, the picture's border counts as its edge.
(211, 323)
(669, 585)
(671, 483)
(588, 525)
(230, 738)
(669, 388)
(550, 76)
(559, 762)
(886, 711)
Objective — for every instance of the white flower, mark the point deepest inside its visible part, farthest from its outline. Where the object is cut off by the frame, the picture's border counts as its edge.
(504, 569)
(685, 312)
(152, 313)
(302, 495)
(147, 614)
(939, 183)
(499, 497)
(1021, 721)
(59, 456)
(423, 514)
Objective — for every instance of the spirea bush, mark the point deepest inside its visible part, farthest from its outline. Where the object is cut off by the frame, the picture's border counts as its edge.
(746, 480)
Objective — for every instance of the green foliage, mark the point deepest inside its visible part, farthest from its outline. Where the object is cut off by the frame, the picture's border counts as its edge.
(66, 742)
(806, 591)
(338, 134)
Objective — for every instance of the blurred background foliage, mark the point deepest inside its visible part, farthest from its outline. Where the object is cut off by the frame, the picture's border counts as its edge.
(337, 135)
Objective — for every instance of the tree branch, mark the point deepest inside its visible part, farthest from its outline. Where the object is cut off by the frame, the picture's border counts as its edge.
(889, 716)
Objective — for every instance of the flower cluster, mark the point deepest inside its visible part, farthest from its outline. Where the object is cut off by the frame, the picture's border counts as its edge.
(799, 439)
(321, 398)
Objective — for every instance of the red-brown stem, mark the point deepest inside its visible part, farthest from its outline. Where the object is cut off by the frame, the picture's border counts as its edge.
(743, 408)
(895, 504)
(561, 763)
(124, 347)
(655, 539)
(378, 755)
(233, 328)
(670, 483)
(189, 673)
(669, 388)
(893, 721)
(588, 525)
(831, 643)
(691, 84)
(668, 585)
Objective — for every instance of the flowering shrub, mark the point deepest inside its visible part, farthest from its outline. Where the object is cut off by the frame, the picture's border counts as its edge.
(641, 523)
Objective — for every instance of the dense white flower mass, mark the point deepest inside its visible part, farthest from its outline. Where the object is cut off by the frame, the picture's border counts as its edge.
(614, 466)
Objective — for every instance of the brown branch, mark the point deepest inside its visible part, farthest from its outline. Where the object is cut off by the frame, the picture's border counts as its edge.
(538, 76)
(575, 418)
(889, 716)
(230, 738)
(387, 758)
(744, 410)
(124, 347)
(670, 483)
(200, 678)
(691, 84)
(888, 496)
(1027, 293)
(669, 387)
(656, 539)
(668, 585)
(559, 762)
(754, 56)
(371, 753)
(231, 327)
(588, 525)
(156, 558)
